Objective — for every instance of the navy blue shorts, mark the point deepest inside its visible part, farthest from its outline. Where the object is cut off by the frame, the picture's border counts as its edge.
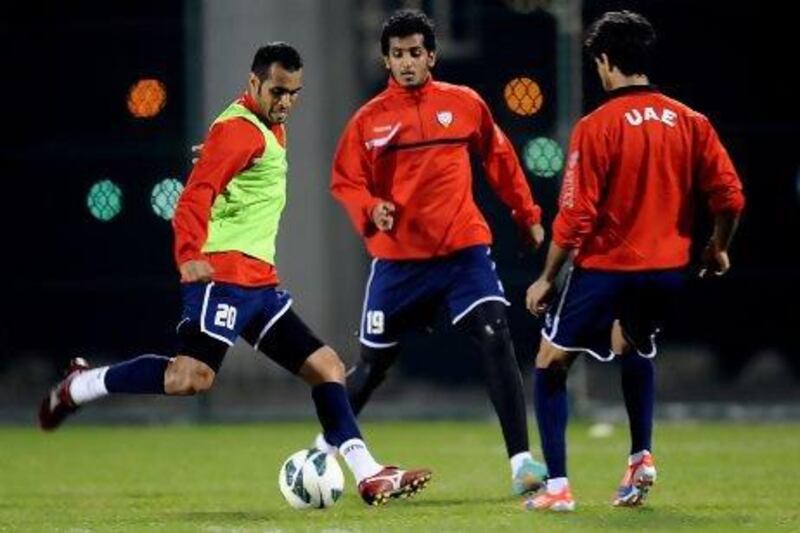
(222, 310)
(398, 292)
(214, 314)
(581, 318)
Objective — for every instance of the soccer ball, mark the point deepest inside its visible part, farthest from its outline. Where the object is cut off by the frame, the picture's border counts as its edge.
(311, 479)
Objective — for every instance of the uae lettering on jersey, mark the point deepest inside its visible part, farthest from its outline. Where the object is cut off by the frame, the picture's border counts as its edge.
(568, 184)
(636, 117)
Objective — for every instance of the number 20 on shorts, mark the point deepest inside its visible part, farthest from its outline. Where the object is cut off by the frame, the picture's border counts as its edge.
(225, 317)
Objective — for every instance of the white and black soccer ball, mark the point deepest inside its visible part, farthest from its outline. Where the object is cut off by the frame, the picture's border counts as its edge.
(311, 479)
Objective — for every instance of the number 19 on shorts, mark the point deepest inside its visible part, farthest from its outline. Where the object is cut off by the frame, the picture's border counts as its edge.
(375, 322)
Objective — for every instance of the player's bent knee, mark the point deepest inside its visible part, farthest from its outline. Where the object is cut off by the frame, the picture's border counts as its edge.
(202, 379)
(493, 331)
(550, 356)
(186, 376)
(487, 323)
(177, 384)
(323, 366)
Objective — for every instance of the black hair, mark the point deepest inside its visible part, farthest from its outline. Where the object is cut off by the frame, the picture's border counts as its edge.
(275, 52)
(627, 38)
(407, 22)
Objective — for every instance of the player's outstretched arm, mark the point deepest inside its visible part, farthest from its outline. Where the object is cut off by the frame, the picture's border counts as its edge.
(505, 174)
(229, 148)
(350, 184)
(720, 183)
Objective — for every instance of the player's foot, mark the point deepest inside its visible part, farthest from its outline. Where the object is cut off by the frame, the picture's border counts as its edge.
(58, 404)
(639, 477)
(561, 501)
(528, 478)
(391, 482)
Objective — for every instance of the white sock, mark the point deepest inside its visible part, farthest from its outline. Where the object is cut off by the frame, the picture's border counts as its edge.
(89, 385)
(557, 484)
(518, 459)
(638, 456)
(322, 445)
(358, 458)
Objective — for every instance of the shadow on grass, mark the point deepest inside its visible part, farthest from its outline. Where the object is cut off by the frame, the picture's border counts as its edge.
(458, 502)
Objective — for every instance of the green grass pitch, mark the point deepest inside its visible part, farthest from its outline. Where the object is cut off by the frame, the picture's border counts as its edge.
(712, 477)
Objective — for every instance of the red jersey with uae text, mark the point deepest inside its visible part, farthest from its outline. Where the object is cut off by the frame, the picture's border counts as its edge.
(634, 168)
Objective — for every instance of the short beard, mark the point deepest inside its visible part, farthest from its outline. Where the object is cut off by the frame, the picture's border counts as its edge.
(411, 85)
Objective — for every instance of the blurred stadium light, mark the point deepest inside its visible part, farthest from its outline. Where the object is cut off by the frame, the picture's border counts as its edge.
(523, 96)
(146, 98)
(104, 200)
(543, 157)
(164, 196)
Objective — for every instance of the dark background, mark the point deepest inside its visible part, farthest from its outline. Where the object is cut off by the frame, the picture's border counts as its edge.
(77, 283)
(73, 283)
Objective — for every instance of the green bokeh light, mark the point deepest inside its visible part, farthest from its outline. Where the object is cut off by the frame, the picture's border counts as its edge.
(164, 197)
(104, 200)
(543, 157)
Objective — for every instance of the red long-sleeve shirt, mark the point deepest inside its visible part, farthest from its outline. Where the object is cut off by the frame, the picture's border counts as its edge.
(411, 147)
(626, 200)
(231, 147)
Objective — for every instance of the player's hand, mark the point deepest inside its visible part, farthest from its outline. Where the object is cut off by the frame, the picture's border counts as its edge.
(537, 235)
(538, 297)
(383, 215)
(715, 261)
(196, 149)
(196, 270)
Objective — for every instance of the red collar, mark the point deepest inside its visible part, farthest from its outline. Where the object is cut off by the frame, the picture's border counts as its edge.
(248, 101)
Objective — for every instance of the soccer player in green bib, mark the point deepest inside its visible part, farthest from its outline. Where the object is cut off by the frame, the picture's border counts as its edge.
(226, 223)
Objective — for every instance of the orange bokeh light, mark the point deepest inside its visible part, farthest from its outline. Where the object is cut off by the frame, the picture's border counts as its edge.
(523, 96)
(146, 98)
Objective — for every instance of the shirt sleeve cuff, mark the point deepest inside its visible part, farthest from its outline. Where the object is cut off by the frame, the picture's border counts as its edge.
(565, 238)
(728, 204)
(190, 255)
(529, 217)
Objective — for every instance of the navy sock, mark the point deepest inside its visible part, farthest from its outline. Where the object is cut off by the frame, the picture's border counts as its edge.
(550, 401)
(143, 375)
(334, 413)
(638, 389)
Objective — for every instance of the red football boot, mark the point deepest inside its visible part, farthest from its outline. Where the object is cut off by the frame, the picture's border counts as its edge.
(58, 404)
(391, 482)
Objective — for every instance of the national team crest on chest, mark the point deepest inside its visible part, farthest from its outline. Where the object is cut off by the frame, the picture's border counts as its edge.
(445, 118)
